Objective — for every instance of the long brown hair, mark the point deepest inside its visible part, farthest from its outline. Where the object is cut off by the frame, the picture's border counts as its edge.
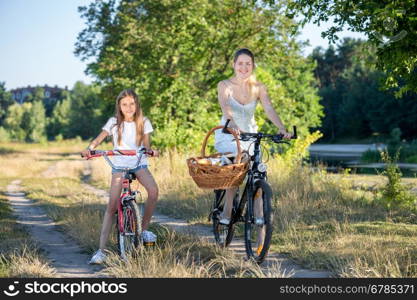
(252, 79)
(138, 117)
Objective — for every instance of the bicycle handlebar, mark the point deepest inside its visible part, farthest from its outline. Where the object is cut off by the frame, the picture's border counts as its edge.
(98, 153)
(276, 138)
(107, 153)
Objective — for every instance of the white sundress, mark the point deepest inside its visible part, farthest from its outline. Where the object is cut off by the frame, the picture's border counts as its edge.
(244, 117)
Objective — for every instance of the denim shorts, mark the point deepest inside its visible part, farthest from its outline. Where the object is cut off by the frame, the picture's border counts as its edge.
(114, 170)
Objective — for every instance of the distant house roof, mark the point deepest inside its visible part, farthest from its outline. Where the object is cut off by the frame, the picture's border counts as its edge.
(50, 93)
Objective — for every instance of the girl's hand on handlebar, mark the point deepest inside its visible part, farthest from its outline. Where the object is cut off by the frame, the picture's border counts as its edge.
(85, 153)
(154, 153)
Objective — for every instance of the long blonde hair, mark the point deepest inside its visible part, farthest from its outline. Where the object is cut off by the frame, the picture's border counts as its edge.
(252, 78)
(138, 117)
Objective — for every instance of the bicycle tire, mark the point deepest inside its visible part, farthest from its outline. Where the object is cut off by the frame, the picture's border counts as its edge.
(130, 239)
(223, 234)
(253, 232)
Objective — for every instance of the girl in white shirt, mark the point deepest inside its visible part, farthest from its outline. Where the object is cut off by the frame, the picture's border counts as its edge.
(130, 131)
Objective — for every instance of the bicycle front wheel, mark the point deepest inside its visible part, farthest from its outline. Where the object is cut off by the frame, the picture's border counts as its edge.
(129, 234)
(259, 222)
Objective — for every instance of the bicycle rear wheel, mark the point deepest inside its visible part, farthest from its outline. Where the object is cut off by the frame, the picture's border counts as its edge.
(258, 236)
(223, 234)
(130, 237)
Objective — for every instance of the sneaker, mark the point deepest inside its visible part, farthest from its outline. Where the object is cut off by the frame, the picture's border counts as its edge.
(148, 236)
(259, 221)
(98, 258)
(223, 220)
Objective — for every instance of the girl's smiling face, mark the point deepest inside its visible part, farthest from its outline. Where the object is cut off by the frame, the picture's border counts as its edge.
(243, 66)
(128, 108)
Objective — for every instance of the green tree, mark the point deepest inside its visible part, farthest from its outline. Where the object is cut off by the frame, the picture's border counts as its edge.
(391, 27)
(37, 95)
(13, 121)
(5, 101)
(354, 104)
(173, 53)
(33, 121)
(85, 111)
(59, 122)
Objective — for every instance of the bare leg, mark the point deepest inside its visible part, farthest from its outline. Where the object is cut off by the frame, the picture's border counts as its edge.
(115, 190)
(146, 179)
(228, 203)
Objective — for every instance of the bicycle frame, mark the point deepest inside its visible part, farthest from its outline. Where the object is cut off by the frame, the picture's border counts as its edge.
(125, 196)
(252, 175)
(254, 172)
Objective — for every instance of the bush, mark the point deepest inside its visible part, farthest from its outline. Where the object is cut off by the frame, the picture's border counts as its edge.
(59, 138)
(394, 194)
(4, 135)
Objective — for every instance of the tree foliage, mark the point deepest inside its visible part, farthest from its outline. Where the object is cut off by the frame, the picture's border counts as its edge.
(26, 122)
(391, 26)
(5, 101)
(173, 53)
(84, 111)
(354, 104)
(60, 121)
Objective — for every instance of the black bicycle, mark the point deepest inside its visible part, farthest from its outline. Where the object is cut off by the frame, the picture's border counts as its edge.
(254, 207)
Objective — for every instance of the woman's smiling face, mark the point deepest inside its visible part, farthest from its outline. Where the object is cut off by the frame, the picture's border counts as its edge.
(243, 66)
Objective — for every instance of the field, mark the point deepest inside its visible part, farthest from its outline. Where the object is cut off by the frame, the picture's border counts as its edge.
(322, 221)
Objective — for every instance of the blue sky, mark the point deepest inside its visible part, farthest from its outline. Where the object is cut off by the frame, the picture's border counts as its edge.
(37, 40)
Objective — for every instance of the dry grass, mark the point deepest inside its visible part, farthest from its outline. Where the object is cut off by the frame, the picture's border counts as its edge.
(180, 256)
(322, 221)
(26, 263)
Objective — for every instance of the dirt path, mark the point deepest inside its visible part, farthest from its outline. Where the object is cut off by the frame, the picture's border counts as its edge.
(273, 262)
(63, 252)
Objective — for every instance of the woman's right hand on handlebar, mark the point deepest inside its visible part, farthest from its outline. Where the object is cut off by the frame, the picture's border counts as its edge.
(285, 134)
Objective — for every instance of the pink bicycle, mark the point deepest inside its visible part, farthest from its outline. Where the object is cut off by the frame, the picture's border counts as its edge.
(128, 217)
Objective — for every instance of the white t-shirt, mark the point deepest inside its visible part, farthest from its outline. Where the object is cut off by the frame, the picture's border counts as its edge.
(128, 141)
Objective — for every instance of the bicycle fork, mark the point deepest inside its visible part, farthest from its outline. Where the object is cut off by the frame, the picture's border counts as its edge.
(123, 200)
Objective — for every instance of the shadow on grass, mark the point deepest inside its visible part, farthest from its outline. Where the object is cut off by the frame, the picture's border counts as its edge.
(4, 151)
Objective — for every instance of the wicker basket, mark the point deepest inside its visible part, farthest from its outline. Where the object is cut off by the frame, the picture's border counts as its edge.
(217, 177)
